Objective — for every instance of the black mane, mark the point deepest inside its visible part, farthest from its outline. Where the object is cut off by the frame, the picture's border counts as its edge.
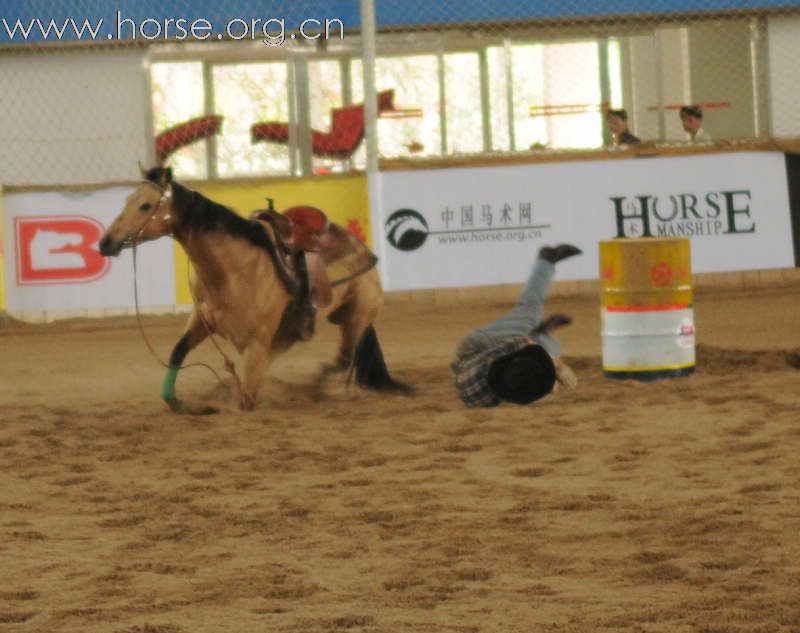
(202, 214)
(198, 213)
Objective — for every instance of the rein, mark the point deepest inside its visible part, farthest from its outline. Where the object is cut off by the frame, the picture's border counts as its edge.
(166, 194)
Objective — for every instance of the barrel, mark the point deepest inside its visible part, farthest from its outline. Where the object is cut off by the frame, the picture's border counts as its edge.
(647, 314)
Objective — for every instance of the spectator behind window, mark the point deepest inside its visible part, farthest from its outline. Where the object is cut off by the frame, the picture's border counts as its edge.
(617, 121)
(692, 120)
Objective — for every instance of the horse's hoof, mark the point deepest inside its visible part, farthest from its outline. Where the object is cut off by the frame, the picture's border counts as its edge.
(178, 406)
(175, 405)
(207, 410)
(247, 404)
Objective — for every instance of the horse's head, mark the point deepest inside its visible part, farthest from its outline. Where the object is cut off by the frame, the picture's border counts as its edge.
(147, 215)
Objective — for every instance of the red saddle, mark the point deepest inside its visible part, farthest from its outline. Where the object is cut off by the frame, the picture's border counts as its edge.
(305, 218)
(298, 228)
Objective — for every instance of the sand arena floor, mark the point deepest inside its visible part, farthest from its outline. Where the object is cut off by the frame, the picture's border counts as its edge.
(621, 506)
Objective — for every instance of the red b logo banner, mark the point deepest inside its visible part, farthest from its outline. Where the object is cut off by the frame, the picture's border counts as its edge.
(58, 249)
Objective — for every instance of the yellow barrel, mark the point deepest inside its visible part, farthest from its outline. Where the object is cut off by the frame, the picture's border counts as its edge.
(648, 315)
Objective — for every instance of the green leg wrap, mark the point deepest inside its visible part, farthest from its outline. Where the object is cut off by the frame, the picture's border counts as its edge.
(168, 388)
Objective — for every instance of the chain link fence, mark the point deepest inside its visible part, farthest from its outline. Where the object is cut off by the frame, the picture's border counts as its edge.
(509, 78)
(253, 91)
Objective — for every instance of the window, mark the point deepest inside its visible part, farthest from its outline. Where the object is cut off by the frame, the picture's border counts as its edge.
(530, 90)
(325, 95)
(245, 94)
(415, 82)
(615, 74)
(463, 103)
(177, 92)
(579, 62)
(547, 110)
(551, 92)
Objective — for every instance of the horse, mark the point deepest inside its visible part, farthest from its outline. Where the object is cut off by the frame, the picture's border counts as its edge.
(242, 292)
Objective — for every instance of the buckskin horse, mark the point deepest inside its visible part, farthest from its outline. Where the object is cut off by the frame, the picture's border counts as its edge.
(250, 282)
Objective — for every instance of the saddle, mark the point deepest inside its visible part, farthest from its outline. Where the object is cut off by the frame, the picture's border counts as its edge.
(312, 256)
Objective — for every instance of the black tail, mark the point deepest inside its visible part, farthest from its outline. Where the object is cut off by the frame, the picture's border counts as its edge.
(369, 367)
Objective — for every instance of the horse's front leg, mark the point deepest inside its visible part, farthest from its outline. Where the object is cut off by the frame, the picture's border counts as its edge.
(195, 334)
(256, 360)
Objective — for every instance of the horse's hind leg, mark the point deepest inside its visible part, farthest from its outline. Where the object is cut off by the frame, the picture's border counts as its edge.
(360, 350)
(195, 333)
(360, 309)
(352, 323)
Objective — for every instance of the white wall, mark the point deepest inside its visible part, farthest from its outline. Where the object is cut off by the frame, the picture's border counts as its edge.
(72, 116)
(784, 74)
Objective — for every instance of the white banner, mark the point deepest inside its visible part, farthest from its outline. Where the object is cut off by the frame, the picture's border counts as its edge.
(484, 225)
(52, 261)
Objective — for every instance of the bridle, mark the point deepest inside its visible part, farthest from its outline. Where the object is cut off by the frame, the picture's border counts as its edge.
(166, 216)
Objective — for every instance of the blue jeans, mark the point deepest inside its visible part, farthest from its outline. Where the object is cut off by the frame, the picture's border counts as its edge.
(525, 316)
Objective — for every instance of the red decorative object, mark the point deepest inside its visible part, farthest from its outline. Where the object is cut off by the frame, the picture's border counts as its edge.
(347, 129)
(661, 274)
(185, 134)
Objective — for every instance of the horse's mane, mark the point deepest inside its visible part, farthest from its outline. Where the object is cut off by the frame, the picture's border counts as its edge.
(203, 214)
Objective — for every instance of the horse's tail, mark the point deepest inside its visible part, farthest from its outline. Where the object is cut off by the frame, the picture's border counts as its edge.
(369, 367)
